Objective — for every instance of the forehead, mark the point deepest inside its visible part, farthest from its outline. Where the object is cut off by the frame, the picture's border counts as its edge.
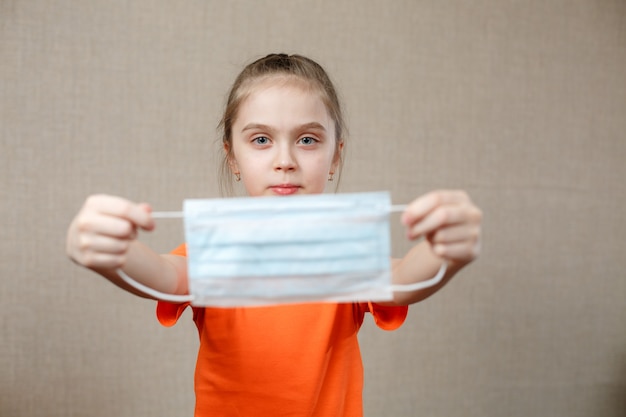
(277, 81)
(281, 99)
(256, 86)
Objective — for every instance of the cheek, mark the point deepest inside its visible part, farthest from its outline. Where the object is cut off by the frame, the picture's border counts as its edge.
(328, 160)
(253, 167)
(242, 158)
(319, 168)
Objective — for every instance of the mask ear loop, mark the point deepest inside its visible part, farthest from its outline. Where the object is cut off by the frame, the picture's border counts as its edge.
(173, 298)
(161, 296)
(189, 298)
(422, 284)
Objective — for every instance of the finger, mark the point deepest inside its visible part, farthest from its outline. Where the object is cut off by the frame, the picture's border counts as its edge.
(423, 205)
(139, 214)
(99, 260)
(94, 223)
(465, 251)
(455, 234)
(442, 216)
(92, 243)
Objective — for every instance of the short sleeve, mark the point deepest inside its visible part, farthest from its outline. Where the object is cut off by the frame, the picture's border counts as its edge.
(387, 317)
(181, 250)
(169, 313)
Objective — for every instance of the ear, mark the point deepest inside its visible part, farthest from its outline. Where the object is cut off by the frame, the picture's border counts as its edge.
(230, 158)
(337, 158)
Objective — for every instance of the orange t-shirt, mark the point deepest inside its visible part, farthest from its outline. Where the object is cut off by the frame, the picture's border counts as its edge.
(288, 360)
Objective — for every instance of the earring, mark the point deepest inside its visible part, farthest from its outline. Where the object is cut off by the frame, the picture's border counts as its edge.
(330, 176)
(237, 176)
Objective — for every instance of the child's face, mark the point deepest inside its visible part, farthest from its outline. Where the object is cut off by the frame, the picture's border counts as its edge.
(283, 141)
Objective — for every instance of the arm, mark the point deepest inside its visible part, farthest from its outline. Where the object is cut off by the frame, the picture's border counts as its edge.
(102, 237)
(450, 224)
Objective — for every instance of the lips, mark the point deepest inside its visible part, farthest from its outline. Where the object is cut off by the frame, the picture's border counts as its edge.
(285, 189)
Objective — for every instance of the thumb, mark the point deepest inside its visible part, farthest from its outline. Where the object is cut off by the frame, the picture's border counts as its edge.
(144, 218)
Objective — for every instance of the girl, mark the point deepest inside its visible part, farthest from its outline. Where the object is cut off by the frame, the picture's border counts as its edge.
(283, 134)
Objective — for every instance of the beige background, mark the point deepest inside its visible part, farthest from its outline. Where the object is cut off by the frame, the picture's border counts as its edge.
(522, 103)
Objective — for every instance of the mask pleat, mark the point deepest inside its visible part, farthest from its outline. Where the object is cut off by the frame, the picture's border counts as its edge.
(293, 248)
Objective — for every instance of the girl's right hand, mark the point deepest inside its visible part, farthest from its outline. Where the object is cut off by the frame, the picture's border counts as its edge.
(101, 233)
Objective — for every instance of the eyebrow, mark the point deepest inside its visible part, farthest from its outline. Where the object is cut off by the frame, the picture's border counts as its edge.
(260, 126)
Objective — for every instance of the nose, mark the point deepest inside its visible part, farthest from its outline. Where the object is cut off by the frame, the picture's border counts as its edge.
(285, 160)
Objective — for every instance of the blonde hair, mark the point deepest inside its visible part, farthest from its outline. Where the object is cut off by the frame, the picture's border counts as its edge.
(296, 66)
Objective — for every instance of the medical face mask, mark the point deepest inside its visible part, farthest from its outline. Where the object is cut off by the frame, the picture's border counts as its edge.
(275, 250)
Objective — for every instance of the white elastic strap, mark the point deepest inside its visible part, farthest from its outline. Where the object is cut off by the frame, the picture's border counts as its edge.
(168, 214)
(152, 292)
(180, 214)
(188, 298)
(397, 207)
(423, 284)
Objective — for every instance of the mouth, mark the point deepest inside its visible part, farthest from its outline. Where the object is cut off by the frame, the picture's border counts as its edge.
(285, 189)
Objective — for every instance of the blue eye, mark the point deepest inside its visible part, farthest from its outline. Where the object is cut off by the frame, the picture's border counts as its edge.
(307, 140)
(261, 140)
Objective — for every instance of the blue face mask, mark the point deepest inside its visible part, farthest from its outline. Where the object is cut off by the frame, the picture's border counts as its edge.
(275, 250)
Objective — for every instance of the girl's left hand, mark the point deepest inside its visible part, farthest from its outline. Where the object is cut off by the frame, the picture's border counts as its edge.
(449, 221)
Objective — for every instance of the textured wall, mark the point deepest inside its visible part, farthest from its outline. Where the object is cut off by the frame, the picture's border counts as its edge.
(520, 103)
